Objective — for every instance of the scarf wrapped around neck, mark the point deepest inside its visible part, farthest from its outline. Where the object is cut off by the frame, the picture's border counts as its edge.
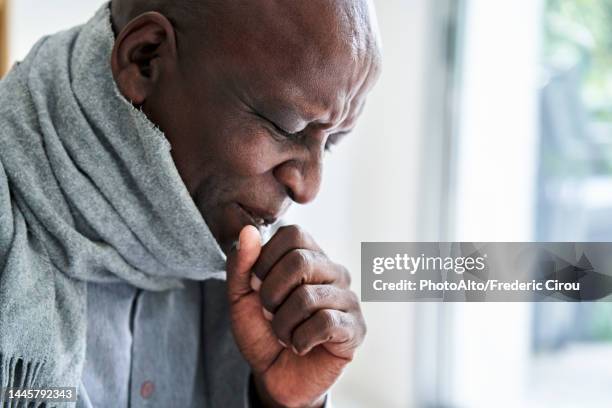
(88, 193)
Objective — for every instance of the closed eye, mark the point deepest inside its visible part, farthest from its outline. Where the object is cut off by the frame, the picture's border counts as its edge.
(277, 129)
(282, 131)
(332, 140)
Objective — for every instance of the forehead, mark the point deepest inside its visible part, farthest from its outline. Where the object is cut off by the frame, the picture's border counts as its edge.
(314, 59)
(316, 93)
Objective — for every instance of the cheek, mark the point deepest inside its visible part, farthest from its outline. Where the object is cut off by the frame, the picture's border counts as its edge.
(250, 151)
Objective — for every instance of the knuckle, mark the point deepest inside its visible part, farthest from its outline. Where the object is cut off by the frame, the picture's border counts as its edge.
(353, 298)
(300, 344)
(307, 297)
(346, 321)
(345, 275)
(286, 229)
(300, 339)
(299, 262)
(364, 328)
(325, 291)
(295, 234)
(328, 320)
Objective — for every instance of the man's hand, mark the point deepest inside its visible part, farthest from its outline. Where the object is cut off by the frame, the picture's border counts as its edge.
(293, 316)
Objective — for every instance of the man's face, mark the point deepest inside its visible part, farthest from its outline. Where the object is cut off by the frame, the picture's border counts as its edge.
(250, 116)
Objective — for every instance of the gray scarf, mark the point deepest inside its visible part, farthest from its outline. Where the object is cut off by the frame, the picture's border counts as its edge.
(88, 193)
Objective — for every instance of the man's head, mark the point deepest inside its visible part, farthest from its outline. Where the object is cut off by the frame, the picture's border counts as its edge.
(249, 93)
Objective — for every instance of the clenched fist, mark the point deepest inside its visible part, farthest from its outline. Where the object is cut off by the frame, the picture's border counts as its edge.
(293, 316)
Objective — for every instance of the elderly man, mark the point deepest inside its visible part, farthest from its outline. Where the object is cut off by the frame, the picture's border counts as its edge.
(142, 157)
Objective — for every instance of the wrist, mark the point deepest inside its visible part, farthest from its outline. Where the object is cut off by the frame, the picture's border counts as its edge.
(265, 400)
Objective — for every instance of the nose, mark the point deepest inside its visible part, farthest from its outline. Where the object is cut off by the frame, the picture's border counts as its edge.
(301, 178)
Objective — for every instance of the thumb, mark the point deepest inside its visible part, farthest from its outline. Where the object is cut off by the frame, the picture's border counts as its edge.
(241, 261)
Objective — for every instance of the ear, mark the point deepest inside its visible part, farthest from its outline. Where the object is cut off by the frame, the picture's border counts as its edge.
(143, 50)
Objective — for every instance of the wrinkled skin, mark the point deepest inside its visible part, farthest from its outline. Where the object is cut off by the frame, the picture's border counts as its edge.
(250, 95)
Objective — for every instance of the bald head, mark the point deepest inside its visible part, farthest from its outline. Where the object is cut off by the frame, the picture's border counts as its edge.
(123, 11)
(327, 23)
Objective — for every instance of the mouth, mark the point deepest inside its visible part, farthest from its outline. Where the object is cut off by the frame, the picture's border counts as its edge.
(260, 218)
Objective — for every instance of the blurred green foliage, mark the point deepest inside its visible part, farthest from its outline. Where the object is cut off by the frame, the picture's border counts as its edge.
(579, 33)
(600, 323)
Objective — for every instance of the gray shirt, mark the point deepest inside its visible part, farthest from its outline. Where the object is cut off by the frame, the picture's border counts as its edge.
(132, 333)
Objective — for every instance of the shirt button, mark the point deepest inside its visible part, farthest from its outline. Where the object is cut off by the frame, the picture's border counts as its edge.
(147, 389)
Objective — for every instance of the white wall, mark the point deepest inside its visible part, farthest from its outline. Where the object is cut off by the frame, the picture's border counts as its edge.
(30, 20)
(499, 122)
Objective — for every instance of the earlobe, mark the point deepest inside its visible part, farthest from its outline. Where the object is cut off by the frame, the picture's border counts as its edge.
(143, 49)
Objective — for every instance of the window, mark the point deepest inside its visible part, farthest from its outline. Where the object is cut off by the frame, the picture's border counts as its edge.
(575, 177)
(533, 162)
(574, 199)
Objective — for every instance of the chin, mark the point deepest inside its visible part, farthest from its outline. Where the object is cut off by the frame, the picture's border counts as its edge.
(225, 225)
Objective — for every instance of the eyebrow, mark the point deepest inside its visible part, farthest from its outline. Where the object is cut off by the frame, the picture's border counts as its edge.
(337, 134)
(289, 120)
(279, 119)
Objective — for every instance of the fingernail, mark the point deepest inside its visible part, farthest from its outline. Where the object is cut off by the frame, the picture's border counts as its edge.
(269, 316)
(282, 344)
(255, 283)
(295, 350)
